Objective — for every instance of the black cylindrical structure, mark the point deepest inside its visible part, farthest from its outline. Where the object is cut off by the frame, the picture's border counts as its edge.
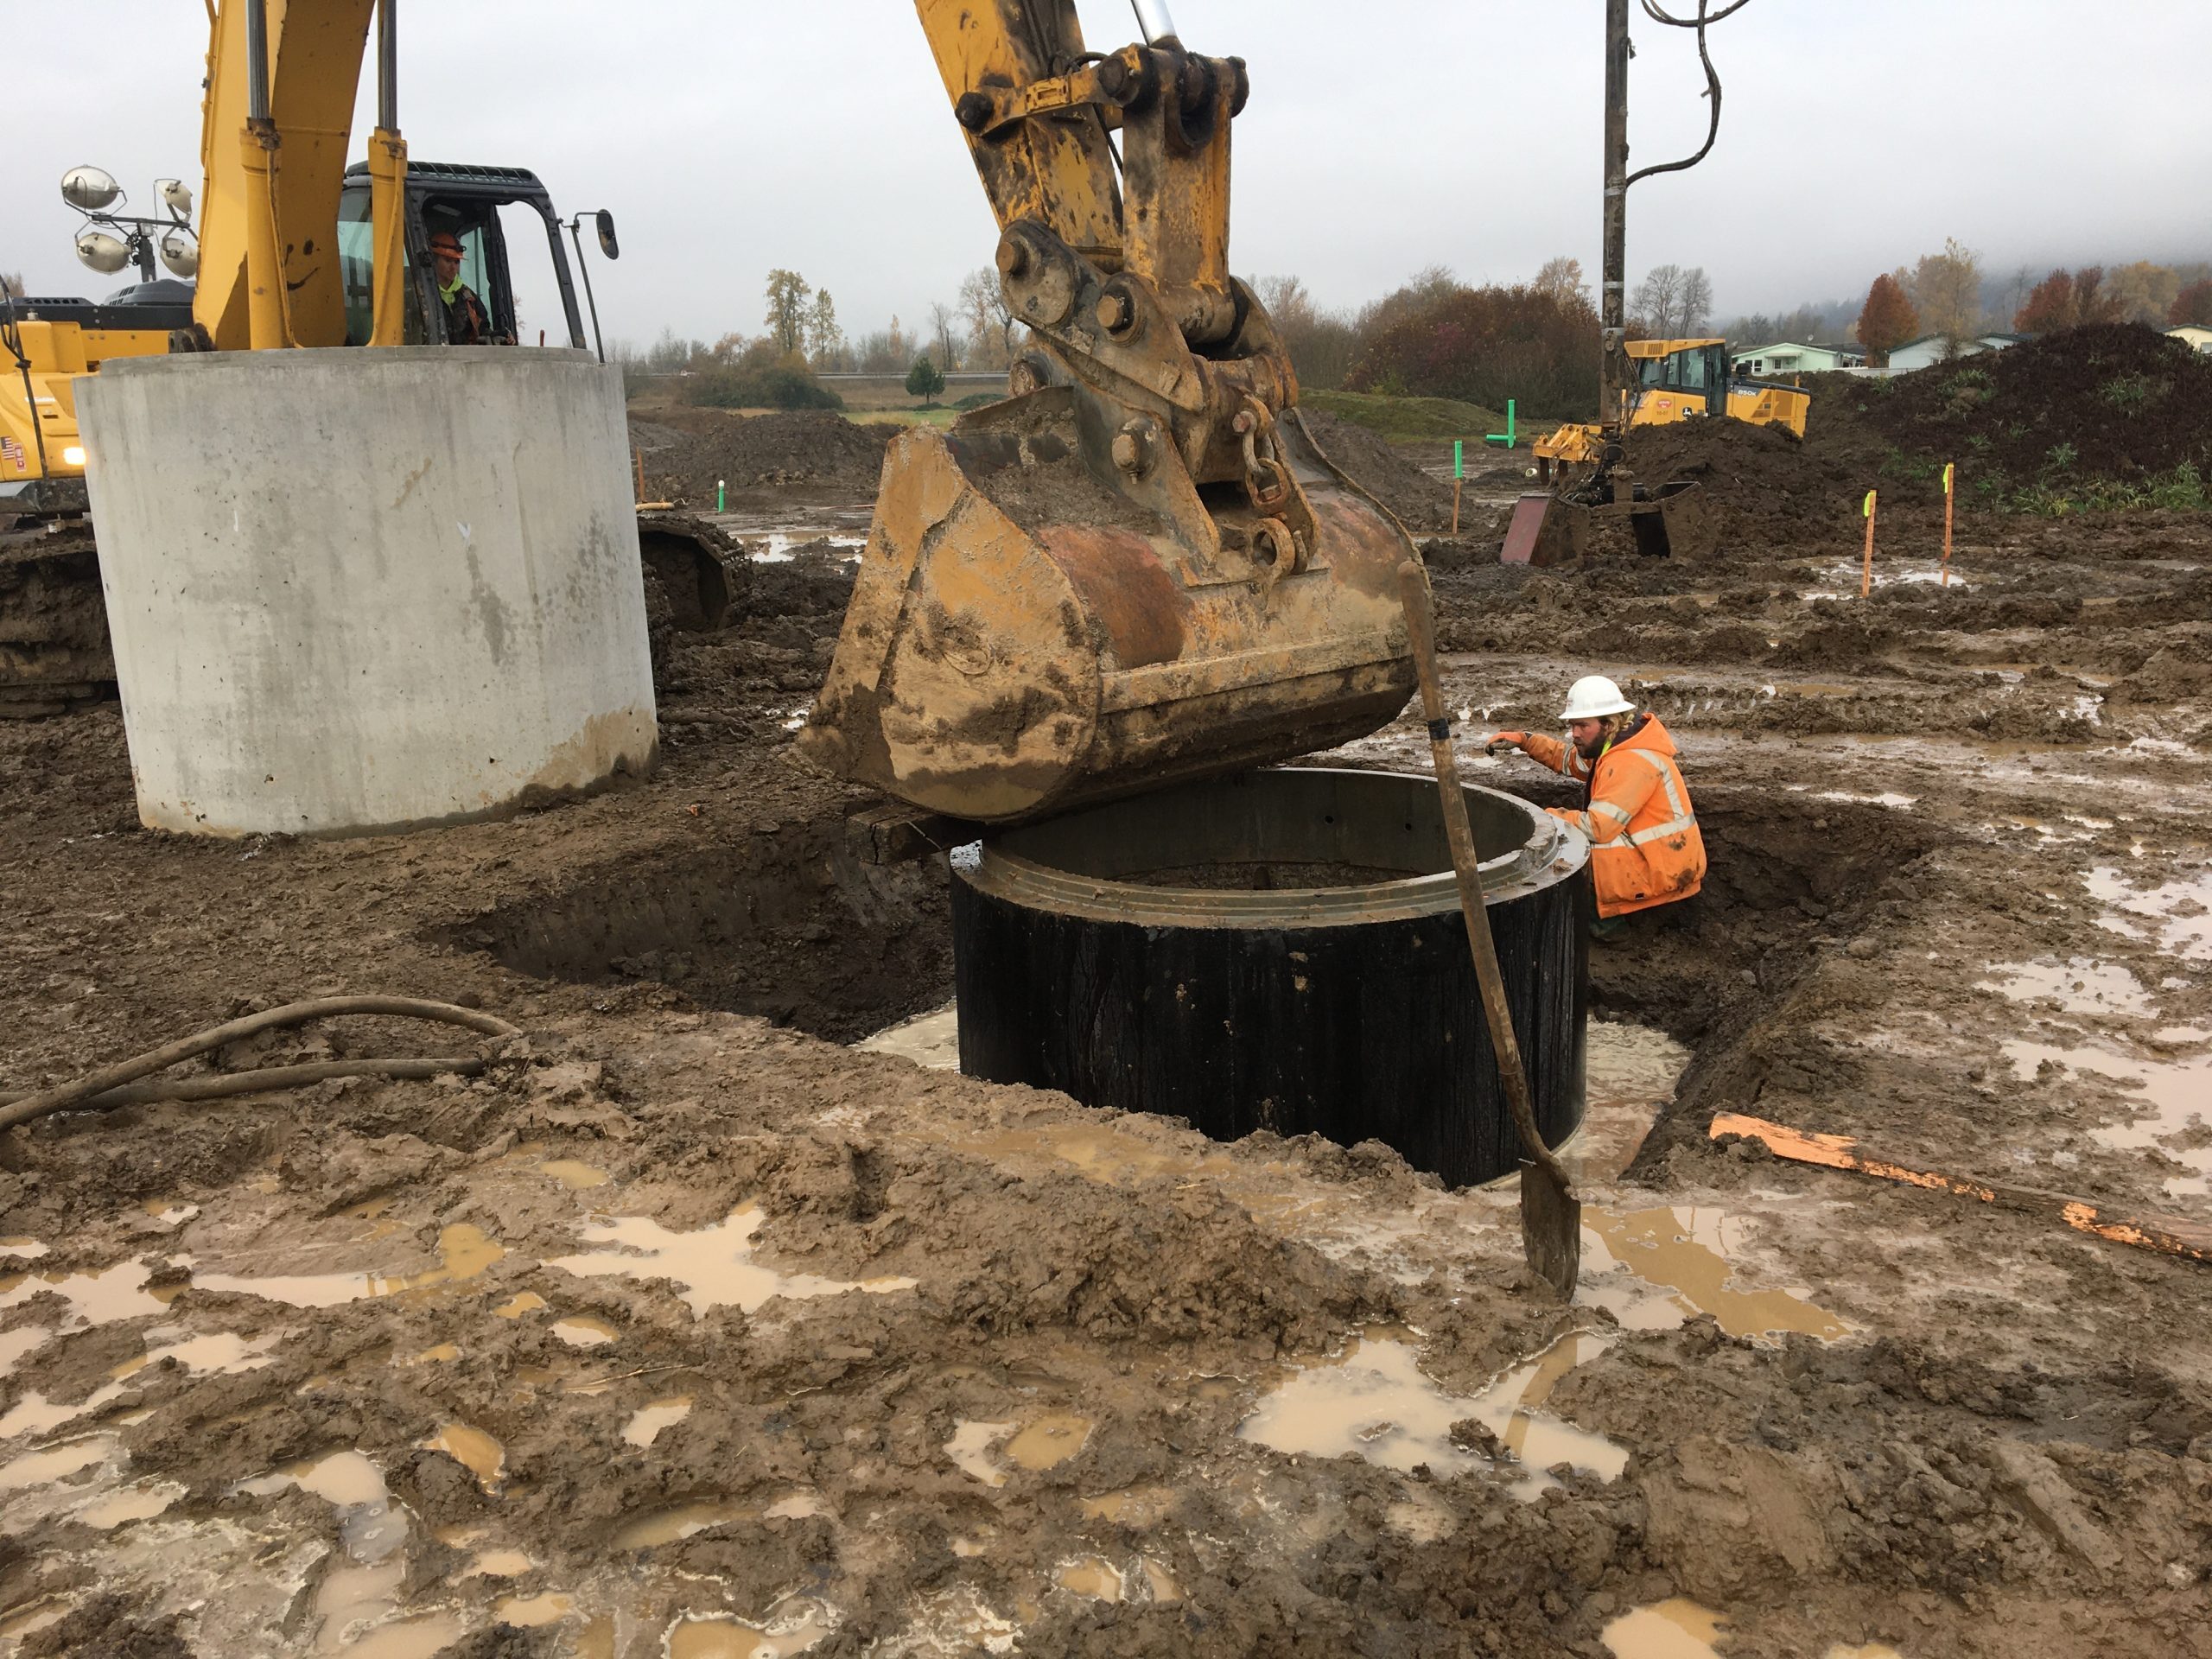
(1280, 950)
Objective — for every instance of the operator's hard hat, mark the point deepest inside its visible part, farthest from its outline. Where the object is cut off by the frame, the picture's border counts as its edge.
(445, 242)
(1592, 697)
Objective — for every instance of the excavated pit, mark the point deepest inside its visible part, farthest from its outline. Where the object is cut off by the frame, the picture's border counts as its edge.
(791, 927)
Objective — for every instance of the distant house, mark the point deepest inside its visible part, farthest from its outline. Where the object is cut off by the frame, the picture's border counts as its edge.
(1788, 357)
(2194, 335)
(1930, 348)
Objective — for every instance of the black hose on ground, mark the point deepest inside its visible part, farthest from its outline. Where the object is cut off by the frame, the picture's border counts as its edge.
(104, 1088)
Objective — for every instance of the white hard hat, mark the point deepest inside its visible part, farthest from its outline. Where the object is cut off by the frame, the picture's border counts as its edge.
(1592, 697)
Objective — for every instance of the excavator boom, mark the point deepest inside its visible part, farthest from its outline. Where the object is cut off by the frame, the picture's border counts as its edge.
(1141, 567)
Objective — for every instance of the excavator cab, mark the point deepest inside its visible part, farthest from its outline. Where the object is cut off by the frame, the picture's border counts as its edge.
(1141, 567)
(471, 202)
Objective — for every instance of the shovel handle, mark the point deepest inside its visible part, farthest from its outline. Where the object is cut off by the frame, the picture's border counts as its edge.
(1421, 625)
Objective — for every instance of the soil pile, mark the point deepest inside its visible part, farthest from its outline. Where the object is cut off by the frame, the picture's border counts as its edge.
(1419, 501)
(687, 452)
(2121, 403)
(1764, 486)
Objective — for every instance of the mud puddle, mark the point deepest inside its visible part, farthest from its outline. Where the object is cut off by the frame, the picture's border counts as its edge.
(2175, 1096)
(1373, 1401)
(713, 1266)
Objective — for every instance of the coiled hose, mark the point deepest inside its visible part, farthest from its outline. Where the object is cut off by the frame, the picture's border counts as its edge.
(118, 1084)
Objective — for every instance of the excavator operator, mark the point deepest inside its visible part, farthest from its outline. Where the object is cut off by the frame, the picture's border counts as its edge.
(1645, 849)
(467, 321)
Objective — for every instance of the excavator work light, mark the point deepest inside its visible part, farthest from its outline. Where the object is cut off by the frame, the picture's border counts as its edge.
(90, 188)
(102, 252)
(176, 196)
(179, 253)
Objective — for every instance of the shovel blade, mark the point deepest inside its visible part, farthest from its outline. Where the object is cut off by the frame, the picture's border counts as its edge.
(1551, 1230)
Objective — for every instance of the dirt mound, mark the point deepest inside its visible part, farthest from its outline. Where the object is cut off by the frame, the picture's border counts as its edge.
(2121, 403)
(1419, 502)
(688, 452)
(1765, 488)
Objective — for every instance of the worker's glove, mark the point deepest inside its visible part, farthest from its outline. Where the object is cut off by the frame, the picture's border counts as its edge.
(1497, 740)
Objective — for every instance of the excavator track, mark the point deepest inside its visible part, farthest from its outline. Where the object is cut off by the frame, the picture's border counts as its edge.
(55, 654)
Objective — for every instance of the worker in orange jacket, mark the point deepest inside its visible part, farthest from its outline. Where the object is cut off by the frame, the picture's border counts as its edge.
(1645, 849)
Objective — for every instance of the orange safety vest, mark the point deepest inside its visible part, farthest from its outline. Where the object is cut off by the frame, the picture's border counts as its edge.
(1644, 845)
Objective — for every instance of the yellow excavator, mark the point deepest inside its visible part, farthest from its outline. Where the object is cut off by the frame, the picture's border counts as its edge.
(1142, 566)
(295, 248)
(1677, 380)
(1586, 477)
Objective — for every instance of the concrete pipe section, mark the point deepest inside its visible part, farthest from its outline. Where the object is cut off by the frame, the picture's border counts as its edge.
(1281, 950)
(368, 590)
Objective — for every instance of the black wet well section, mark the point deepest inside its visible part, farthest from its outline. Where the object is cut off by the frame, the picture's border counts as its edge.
(1346, 1006)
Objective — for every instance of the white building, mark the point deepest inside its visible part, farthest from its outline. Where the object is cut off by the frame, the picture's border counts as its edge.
(2194, 335)
(1930, 348)
(1787, 358)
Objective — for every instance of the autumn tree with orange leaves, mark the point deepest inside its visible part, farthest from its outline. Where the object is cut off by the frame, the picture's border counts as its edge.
(2066, 299)
(2193, 304)
(1887, 320)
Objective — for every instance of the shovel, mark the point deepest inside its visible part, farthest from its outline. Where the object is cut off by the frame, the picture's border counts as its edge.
(1551, 1216)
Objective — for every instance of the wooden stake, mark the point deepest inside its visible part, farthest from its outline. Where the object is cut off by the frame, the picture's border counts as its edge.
(1947, 524)
(639, 455)
(1867, 569)
(2168, 1234)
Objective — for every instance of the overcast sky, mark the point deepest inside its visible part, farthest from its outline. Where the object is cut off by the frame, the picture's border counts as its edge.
(733, 135)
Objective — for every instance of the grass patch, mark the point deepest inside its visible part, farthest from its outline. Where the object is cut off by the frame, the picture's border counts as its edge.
(1406, 419)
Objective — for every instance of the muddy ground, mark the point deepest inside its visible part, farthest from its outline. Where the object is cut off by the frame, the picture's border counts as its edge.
(689, 1329)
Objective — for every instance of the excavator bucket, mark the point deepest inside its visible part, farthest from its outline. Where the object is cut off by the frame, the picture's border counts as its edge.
(1034, 625)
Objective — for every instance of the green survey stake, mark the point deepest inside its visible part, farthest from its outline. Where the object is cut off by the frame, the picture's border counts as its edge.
(1458, 457)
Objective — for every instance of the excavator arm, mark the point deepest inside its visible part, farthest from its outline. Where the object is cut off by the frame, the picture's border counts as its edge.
(1141, 567)
(276, 124)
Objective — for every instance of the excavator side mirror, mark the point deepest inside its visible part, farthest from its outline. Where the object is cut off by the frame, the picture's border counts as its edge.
(607, 244)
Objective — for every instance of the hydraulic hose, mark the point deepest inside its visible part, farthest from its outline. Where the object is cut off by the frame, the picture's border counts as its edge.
(105, 1088)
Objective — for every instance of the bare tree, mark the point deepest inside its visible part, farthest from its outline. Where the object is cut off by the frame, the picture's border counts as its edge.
(11, 282)
(1562, 279)
(1656, 305)
(1696, 302)
(787, 297)
(942, 317)
(989, 318)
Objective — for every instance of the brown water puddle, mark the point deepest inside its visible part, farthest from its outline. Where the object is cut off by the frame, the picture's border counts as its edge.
(2179, 912)
(585, 1331)
(1685, 1253)
(674, 1523)
(645, 1424)
(473, 1450)
(1374, 1402)
(534, 1613)
(715, 1265)
(464, 1251)
(2078, 985)
(2178, 1093)
(721, 1636)
(1092, 1576)
(100, 1297)
(572, 1174)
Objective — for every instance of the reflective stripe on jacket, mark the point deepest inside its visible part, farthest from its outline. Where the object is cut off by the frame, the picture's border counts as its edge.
(1645, 848)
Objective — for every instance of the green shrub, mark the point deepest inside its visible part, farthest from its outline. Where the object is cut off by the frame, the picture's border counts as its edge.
(781, 385)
